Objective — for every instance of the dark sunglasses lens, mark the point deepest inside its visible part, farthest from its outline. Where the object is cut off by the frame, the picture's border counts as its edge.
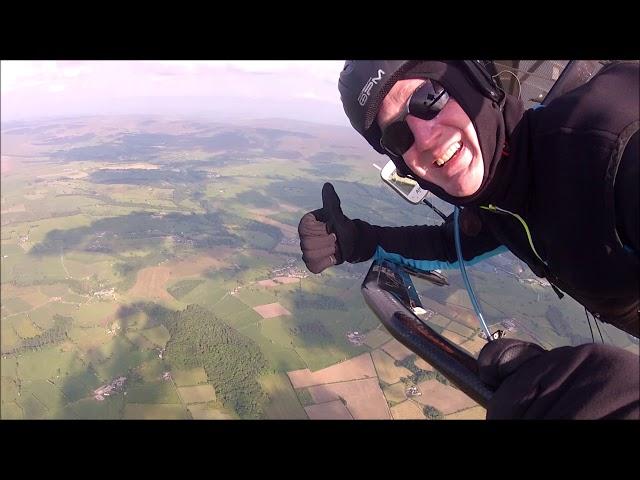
(397, 138)
(427, 101)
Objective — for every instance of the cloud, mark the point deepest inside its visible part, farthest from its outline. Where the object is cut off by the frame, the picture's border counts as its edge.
(56, 88)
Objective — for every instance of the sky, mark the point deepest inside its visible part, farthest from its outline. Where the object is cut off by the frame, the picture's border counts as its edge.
(303, 90)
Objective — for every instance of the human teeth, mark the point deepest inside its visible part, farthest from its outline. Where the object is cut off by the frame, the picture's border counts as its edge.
(451, 151)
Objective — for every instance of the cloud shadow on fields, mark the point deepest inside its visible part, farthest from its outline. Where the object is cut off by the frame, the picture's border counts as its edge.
(146, 230)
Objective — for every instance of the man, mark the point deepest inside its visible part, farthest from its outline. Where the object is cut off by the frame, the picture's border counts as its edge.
(557, 186)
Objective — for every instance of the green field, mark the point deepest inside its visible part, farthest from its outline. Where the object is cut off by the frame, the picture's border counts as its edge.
(54, 290)
(194, 376)
(255, 295)
(9, 365)
(461, 329)
(134, 320)
(140, 341)
(47, 364)
(228, 308)
(93, 314)
(43, 316)
(377, 337)
(151, 370)
(259, 240)
(317, 358)
(78, 386)
(47, 394)
(279, 330)
(9, 389)
(102, 270)
(88, 258)
(32, 407)
(281, 358)
(159, 392)
(184, 287)
(39, 230)
(242, 319)
(117, 346)
(111, 408)
(283, 402)
(11, 411)
(197, 394)
(205, 412)
(14, 305)
(121, 362)
(135, 411)
(158, 335)
(208, 293)
(395, 393)
(9, 339)
(88, 338)
(30, 270)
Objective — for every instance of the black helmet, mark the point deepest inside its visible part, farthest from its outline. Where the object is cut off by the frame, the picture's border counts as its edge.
(363, 85)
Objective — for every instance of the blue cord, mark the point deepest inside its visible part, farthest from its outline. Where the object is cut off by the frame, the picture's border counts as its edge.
(467, 284)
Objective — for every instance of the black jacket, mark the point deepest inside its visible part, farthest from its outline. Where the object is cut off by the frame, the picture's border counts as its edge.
(573, 178)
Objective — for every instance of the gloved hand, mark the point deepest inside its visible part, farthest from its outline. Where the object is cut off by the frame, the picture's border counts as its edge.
(589, 381)
(327, 236)
(500, 358)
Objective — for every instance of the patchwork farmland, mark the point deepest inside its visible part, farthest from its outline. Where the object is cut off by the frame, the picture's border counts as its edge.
(150, 268)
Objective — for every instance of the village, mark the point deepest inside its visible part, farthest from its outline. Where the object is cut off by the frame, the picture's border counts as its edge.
(116, 386)
(290, 270)
(355, 338)
(413, 391)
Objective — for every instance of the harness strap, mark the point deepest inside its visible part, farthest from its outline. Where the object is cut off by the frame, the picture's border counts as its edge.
(493, 208)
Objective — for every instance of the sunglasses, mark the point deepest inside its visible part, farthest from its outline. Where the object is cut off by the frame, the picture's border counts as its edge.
(426, 102)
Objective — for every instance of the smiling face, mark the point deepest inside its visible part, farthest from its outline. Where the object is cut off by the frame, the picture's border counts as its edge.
(446, 150)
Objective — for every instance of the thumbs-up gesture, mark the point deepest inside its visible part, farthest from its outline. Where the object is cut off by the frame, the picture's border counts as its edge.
(327, 236)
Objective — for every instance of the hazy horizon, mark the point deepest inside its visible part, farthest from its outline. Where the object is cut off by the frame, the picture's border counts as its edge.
(222, 90)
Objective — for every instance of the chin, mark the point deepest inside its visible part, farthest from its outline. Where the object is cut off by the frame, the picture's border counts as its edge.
(466, 188)
(461, 191)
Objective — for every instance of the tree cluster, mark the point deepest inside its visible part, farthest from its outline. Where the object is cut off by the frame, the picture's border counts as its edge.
(420, 375)
(51, 336)
(432, 413)
(232, 361)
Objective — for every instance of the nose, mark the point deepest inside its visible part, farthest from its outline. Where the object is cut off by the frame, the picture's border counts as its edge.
(425, 132)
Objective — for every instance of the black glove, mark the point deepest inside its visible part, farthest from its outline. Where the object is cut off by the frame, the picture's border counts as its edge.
(327, 236)
(589, 381)
(500, 358)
